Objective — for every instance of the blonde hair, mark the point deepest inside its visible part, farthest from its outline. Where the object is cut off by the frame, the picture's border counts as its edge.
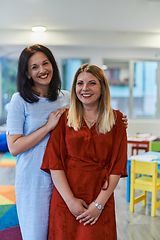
(106, 118)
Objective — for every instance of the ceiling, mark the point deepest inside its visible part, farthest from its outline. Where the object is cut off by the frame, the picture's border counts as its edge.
(107, 15)
(85, 22)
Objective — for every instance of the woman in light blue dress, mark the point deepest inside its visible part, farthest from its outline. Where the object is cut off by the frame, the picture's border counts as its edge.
(33, 113)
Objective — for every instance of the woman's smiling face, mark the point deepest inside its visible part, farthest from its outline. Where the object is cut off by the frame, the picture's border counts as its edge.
(88, 89)
(40, 69)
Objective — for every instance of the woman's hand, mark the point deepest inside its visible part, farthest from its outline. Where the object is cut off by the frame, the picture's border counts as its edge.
(90, 216)
(77, 206)
(125, 120)
(54, 118)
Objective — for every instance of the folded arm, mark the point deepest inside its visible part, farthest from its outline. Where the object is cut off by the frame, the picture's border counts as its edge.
(18, 143)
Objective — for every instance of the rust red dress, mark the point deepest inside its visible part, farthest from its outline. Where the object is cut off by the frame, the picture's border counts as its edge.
(88, 158)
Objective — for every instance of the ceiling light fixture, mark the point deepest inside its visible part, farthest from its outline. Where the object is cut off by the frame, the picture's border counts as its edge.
(39, 29)
(104, 67)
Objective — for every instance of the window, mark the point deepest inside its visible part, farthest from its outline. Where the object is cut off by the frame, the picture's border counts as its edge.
(8, 82)
(145, 89)
(133, 87)
(117, 73)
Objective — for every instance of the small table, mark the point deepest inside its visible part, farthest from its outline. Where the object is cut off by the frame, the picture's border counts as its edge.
(129, 170)
(141, 139)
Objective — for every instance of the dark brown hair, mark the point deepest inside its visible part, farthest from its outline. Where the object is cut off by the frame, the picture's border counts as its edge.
(24, 84)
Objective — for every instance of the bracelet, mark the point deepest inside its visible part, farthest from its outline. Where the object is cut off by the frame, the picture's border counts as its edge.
(98, 205)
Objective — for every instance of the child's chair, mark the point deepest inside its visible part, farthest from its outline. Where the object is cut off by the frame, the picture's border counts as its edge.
(138, 147)
(154, 146)
(145, 183)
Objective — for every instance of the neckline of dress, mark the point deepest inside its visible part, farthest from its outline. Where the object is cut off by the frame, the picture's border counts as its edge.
(92, 127)
(90, 124)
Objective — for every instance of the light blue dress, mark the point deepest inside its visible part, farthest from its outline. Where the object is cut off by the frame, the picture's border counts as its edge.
(33, 186)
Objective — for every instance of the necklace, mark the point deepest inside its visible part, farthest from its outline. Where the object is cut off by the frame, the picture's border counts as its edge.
(90, 123)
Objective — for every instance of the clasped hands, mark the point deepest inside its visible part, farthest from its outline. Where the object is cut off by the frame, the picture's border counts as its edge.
(87, 214)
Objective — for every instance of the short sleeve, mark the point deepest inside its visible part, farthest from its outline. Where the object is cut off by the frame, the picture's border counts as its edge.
(55, 152)
(16, 115)
(118, 164)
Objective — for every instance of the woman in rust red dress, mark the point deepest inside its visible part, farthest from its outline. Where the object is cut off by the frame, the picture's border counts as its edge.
(86, 156)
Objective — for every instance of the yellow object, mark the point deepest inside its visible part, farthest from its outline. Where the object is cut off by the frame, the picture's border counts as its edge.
(148, 183)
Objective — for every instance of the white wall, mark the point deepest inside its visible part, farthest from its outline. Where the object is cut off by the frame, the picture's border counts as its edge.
(144, 126)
